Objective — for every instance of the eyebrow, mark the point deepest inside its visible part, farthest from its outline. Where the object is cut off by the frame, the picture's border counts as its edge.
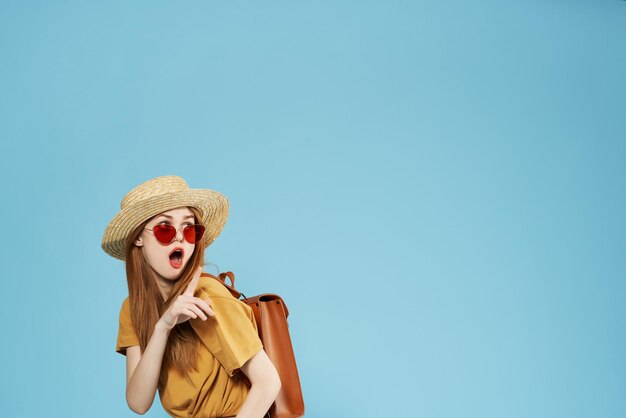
(168, 216)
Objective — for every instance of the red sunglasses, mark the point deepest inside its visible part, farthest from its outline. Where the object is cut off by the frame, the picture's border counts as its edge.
(165, 234)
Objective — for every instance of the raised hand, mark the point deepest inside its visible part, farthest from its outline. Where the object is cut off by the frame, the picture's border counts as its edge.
(187, 305)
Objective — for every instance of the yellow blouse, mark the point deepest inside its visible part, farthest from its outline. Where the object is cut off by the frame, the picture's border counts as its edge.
(228, 340)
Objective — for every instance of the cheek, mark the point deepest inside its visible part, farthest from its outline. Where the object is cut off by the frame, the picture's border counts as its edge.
(188, 254)
(154, 255)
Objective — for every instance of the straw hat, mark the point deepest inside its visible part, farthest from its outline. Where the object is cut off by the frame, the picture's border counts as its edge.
(158, 195)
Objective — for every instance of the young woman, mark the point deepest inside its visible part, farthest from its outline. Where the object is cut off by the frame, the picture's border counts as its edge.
(183, 333)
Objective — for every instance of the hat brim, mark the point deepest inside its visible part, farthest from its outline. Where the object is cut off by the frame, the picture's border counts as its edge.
(213, 207)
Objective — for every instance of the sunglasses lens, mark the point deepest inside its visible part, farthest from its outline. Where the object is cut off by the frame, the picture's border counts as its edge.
(193, 233)
(164, 233)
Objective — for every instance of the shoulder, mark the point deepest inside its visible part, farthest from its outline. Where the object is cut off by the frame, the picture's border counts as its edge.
(125, 314)
(125, 307)
(213, 288)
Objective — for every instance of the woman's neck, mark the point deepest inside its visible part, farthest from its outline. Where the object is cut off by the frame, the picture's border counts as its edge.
(165, 286)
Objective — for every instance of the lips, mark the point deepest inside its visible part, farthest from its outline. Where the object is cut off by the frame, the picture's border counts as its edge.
(176, 257)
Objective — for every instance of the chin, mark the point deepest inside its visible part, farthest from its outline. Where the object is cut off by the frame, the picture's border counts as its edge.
(177, 274)
(169, 272)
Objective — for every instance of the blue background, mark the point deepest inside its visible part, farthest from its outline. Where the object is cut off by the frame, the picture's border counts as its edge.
(435, 188)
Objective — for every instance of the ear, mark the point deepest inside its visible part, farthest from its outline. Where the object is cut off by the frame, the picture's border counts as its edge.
(139, 242)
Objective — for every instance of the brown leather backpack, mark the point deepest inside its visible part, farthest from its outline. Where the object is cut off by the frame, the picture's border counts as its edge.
(270, 313)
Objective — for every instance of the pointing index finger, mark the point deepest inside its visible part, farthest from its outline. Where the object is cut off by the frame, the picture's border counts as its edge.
(191, 287)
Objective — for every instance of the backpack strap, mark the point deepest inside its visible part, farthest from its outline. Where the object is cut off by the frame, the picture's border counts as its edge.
(265, 297)
(222, 279)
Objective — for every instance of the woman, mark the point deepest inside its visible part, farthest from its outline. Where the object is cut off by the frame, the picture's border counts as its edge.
(184, 334)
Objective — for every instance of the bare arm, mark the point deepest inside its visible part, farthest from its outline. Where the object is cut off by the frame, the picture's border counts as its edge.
(142, 370)
(265, 385)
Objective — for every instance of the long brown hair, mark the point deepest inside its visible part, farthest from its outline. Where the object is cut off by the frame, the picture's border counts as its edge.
(147, 305)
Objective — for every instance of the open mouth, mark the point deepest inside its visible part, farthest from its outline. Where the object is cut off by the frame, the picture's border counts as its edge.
(176, 258)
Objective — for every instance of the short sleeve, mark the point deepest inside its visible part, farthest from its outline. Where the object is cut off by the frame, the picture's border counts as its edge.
(232, 335)
(126, 335)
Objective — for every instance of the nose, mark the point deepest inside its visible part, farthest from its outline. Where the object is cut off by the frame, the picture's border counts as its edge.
(181, 235)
